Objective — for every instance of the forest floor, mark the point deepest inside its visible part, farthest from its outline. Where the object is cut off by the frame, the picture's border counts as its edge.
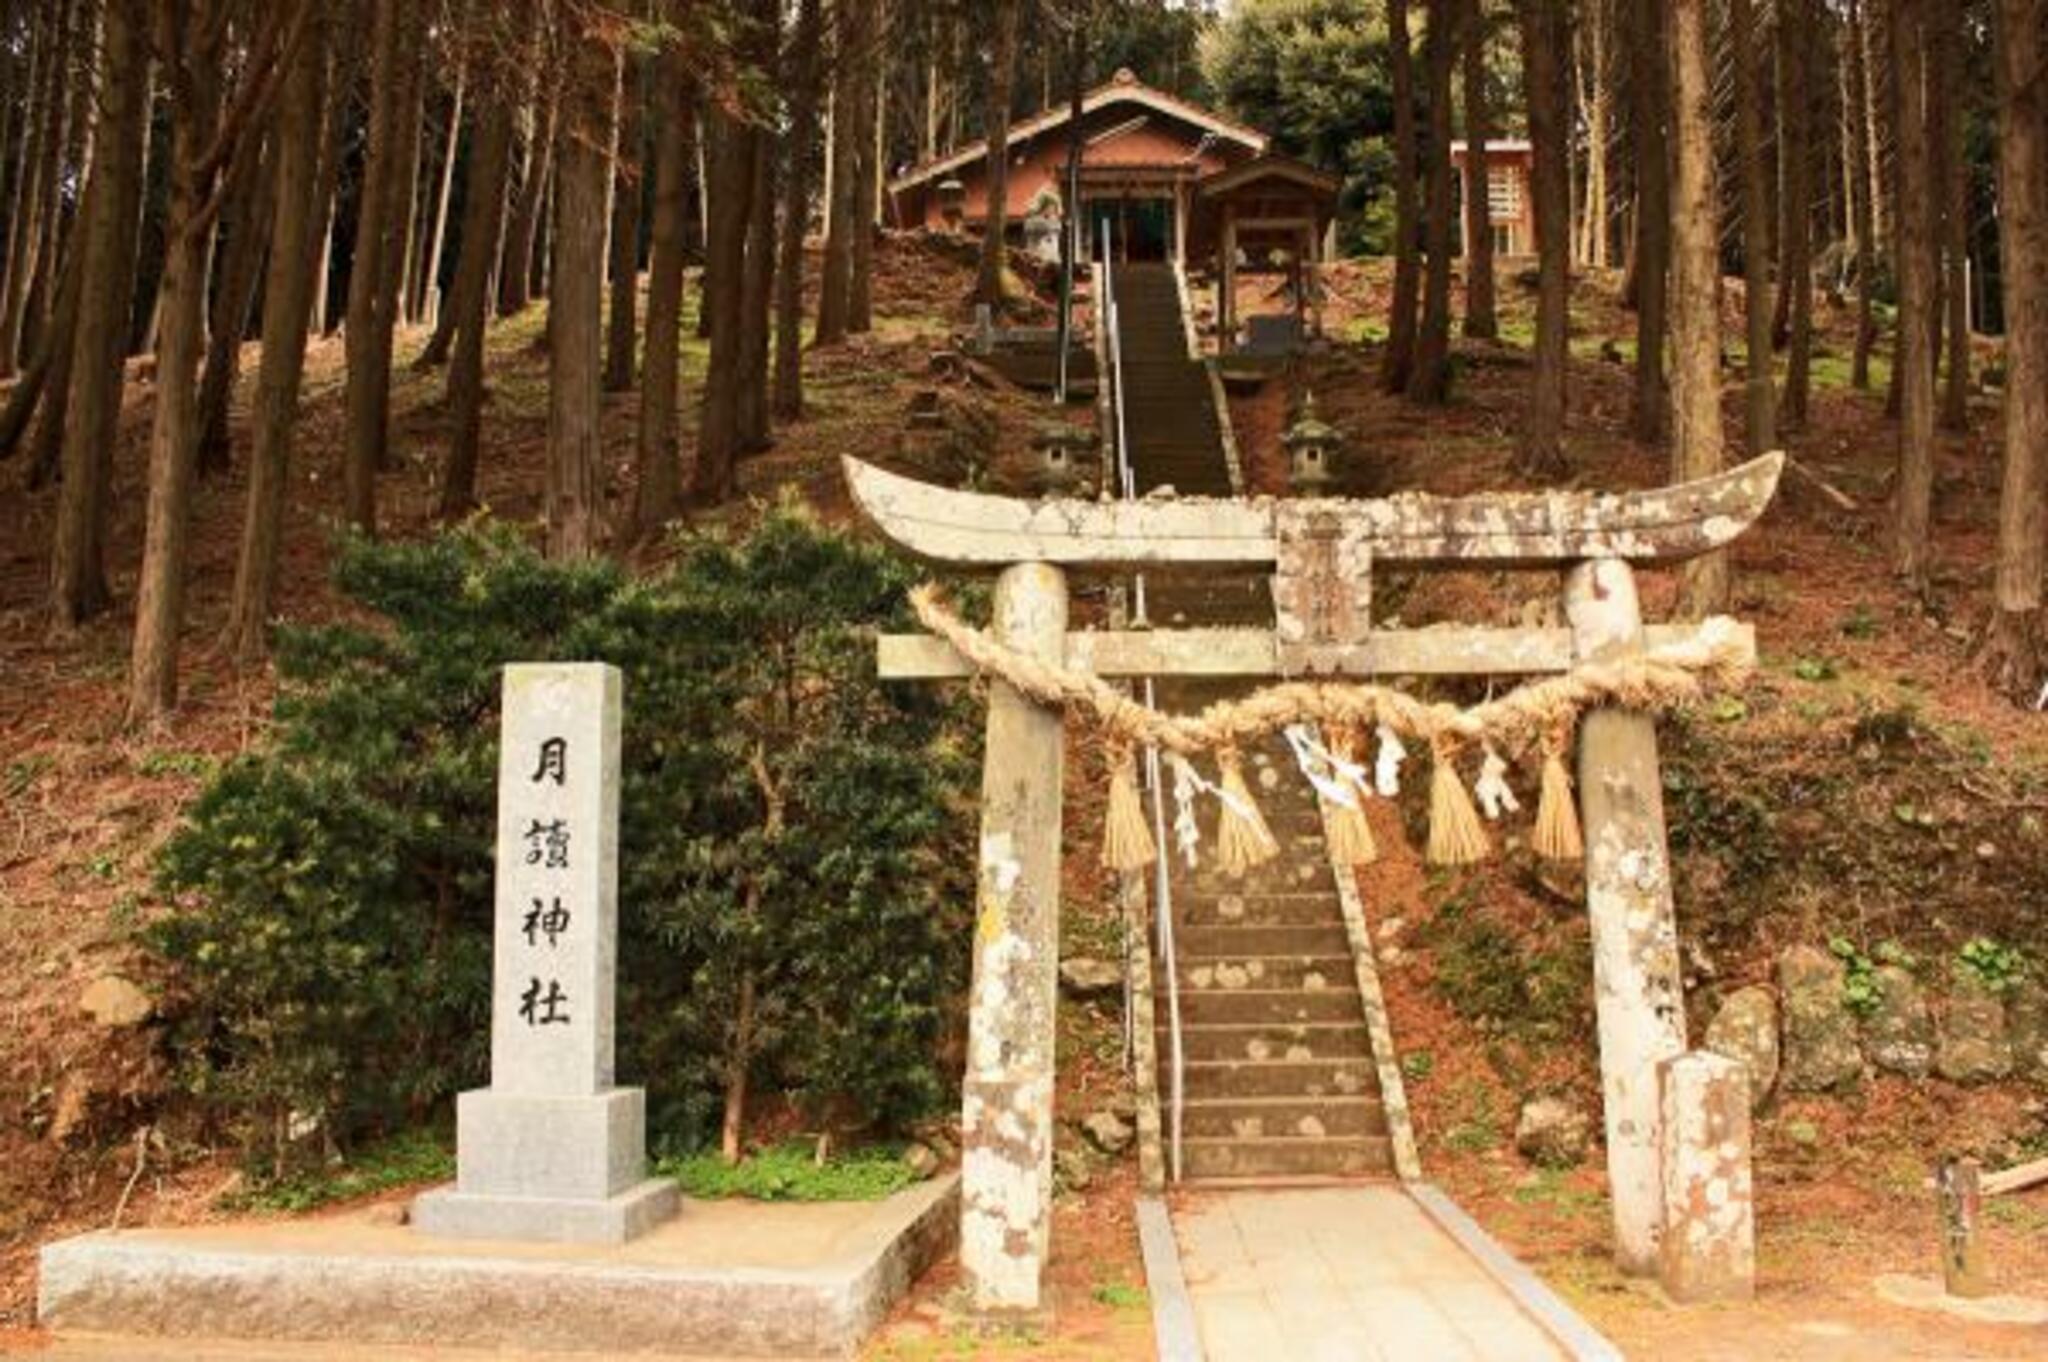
(1868, 786)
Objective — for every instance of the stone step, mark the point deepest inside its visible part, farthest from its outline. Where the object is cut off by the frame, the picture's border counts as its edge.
(1244, 1007)
(1296, 1041)
(1175, 456)
(1206, 597)
(1307, 871)
(1179, 457)
(1243, 908)
(1303, 973)
(1288, 807)
(1239, 941)
(1211, 1080)
(1283, 1118)
(1334, 1157)
(1290, 813)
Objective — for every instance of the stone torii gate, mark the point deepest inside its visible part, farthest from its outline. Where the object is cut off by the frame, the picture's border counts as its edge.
(1322, 553)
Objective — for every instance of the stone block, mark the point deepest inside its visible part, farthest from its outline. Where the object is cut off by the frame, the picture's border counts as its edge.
(578, 1148)
(1820, 1049)
(1552, 1133)
(113, 1001)
(1708, 1248)
(1084, 978)
(451, 1213)
(1108, 1132)
(732, 1279)
(2026, 1015)
(1972, 1044)
(1745, 1029)
(1898, 1035)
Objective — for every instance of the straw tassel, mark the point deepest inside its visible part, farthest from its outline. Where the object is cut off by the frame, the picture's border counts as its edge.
(1557, 836)
(1350, 834)
(1126, 839)
(1243, 841)
(1456, 836)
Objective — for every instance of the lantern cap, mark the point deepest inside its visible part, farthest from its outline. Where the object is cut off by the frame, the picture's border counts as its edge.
(1309, 428)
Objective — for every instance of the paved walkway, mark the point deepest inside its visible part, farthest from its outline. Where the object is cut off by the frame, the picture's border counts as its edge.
(1342, 1274)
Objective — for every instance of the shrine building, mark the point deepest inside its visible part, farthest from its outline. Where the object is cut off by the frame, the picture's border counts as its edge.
(1510, 206)
(1166, 179)
(1162, 179)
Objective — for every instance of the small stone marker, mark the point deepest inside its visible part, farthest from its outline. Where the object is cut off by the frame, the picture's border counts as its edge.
(1708, 1248)
(1957, 1182)
(552, 1150)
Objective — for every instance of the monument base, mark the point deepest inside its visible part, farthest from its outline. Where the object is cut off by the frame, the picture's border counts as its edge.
(557, 1170)
(452, 1213)
(728, 1279)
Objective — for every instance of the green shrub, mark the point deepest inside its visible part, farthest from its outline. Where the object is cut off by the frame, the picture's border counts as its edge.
(333, 892)
(405, 1160)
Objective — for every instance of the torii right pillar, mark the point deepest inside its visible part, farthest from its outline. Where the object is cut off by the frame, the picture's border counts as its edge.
(1639, 995)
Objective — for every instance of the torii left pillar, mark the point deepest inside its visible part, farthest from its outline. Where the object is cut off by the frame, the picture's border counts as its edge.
(1007, 1116)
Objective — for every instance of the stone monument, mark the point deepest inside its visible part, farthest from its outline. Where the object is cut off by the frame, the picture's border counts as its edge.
(552, 1150)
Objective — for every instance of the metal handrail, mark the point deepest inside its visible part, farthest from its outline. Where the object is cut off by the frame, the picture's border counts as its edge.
(1162, 887)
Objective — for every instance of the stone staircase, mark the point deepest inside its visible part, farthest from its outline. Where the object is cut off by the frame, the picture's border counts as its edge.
(1169, 415)
(1278, 1079)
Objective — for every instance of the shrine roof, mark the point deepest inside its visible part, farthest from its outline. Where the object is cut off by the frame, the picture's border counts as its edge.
(1272, 165)
(1123, 89)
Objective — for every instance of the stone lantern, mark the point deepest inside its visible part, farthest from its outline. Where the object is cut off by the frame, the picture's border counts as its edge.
(1062, 449)
(1312, 446)
(952, 204)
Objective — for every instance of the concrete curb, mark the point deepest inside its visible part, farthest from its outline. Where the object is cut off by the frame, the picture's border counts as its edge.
(1131, 892)
(1173, 1313)
(1217, 395)
(1379, 1027)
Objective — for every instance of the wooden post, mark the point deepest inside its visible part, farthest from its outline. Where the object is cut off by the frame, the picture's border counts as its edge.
(1639, 996)
(1301, 290)
(1226, 311)
(1180, 224)
(1962, 1255)
(1007, 1117)
(1463, 169)
(1312, 275)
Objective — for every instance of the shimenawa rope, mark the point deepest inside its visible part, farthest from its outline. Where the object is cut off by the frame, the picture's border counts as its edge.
(1542, 712)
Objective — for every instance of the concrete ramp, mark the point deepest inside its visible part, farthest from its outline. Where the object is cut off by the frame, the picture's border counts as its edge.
(1364, 1272)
